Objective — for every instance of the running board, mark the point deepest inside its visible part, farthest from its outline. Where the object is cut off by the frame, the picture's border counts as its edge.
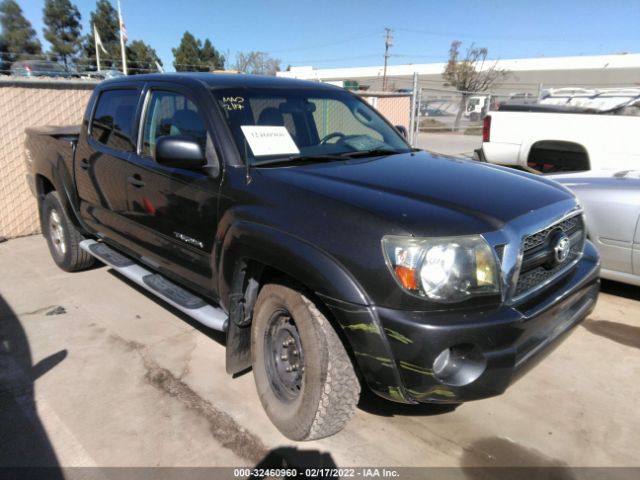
(186, 302)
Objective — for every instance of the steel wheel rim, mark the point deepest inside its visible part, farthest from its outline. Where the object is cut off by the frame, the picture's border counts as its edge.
(284, 359)
(56, 233)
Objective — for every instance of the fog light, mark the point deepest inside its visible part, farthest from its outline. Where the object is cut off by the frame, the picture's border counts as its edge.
(459, 365)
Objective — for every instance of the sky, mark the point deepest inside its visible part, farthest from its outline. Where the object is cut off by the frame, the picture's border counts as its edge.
(350, 33)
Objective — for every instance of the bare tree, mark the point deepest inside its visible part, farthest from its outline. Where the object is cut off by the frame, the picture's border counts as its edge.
(469, 74)
(257, 63)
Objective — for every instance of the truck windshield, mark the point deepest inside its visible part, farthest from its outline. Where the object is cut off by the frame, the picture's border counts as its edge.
(273, 123)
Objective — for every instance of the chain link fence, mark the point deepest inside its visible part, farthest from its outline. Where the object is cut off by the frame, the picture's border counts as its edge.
(23, 104)
(443, 110)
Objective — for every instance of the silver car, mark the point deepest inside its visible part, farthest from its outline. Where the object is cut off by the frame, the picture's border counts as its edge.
(611, 200)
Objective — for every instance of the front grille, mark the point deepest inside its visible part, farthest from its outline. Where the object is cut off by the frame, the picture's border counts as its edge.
(538, 261)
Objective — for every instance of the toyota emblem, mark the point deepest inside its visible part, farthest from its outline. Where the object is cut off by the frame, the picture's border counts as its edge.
(561, 248)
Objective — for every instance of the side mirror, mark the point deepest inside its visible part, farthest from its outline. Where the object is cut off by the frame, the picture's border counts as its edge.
(403, 131)
(179, 151)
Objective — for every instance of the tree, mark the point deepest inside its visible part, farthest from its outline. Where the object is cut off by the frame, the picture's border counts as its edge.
(141, 58)
(469, 75)
(105, 20)
(192, 56)
(257, 63)
(18, 37)
(210, 56)
(187, 56)
(4, 57)
(62, 28)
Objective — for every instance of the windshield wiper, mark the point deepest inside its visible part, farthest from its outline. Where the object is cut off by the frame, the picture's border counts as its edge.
(299, 158)
(370, 153)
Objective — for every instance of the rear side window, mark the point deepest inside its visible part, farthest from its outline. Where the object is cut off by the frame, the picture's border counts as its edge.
(112, 123)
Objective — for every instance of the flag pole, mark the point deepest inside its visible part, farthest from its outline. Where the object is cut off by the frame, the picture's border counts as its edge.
(124, 54)
(95, 41)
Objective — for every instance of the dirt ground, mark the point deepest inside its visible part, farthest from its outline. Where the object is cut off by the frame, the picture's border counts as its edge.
(95, 372)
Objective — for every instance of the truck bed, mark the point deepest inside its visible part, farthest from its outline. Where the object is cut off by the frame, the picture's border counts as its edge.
(50, 142)
(70, 132)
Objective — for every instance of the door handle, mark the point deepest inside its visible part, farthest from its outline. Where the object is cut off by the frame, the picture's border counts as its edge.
(84, 164)
(136, 181)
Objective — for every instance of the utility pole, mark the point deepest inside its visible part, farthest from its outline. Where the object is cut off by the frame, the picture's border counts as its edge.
(388, 43)
(413, 119)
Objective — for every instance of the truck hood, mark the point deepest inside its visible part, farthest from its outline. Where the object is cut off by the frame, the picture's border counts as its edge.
(424, 193)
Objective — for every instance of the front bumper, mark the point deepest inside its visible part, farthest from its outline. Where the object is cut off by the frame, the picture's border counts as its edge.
(395, 349)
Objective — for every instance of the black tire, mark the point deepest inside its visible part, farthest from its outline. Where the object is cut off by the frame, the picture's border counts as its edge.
(62, 236)
(325, 398)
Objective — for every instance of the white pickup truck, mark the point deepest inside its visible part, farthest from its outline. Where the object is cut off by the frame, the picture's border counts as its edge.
(567, 130)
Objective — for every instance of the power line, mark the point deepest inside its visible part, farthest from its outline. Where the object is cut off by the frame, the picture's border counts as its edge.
(326, 44)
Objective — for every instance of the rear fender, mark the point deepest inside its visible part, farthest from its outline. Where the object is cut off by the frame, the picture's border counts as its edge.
(58, 173)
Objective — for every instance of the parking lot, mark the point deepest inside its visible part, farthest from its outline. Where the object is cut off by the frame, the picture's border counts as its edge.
(449, 143)
(96, 372)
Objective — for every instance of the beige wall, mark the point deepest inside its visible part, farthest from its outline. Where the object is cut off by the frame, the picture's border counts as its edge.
(26, 104)
(395, 108)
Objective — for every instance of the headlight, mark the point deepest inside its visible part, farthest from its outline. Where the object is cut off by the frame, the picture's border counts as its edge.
(446, 269)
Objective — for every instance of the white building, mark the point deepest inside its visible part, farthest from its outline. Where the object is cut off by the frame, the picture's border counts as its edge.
(526, 75)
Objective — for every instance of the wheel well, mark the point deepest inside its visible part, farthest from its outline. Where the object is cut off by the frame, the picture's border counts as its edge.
(43, 186)
(558, 156)
(265, 274)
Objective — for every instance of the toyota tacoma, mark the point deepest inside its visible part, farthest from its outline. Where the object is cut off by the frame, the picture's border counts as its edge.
(295, 218)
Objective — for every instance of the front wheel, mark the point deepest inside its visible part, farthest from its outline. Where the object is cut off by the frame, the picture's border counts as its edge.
(62, 236)
(303, 374)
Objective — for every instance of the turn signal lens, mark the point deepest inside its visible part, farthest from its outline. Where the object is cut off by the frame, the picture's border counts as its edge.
(407, 277)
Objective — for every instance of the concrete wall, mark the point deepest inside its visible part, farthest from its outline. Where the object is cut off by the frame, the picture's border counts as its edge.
(23, 104)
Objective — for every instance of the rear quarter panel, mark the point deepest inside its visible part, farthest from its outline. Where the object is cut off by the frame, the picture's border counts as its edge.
(610, 140)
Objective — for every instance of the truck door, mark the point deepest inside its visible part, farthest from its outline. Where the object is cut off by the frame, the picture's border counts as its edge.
(101, 161)
(172, 212)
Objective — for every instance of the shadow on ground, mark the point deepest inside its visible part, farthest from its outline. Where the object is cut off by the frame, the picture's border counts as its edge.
(292, 458)
(23, 439)
(219, 337)
(631, 292)
(497, 458)
(618, 332)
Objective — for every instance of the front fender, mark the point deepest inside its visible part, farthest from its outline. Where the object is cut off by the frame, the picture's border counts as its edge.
(334, 286)
(295, 257)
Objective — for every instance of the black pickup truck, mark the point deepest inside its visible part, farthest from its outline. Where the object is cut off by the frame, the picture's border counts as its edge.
(296, 219)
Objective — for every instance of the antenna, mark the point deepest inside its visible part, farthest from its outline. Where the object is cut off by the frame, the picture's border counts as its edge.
(246, 162)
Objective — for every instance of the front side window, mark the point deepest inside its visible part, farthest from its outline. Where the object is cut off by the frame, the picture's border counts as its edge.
(171, 113)
(114, 117)
(316, 122)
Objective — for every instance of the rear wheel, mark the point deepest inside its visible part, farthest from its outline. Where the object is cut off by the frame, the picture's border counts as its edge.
(62, 236)
(304, 376)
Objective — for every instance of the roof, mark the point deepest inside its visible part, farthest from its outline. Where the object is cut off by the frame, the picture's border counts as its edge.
(222, 80)
(590, 62)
